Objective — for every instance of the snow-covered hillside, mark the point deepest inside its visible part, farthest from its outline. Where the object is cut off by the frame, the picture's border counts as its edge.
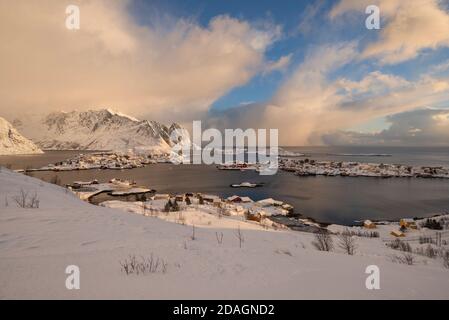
(12, 142)
(98, 130)
(36, 246)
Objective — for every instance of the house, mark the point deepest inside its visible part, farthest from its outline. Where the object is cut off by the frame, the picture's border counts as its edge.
(246, 200)
(217, 203)
(256, 215)
(368, 224)
(408, 223)
(161, 196)
(211, 198)
(287, 207)
(269, 202)
(234, 198)
(179, 197)
(236, 211)
(397, 233)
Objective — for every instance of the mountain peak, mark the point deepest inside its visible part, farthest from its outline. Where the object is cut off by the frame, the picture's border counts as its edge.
(12, 142)
(101, 129)
(117, 113)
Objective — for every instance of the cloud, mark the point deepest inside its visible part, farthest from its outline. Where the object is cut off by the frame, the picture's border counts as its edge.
(316, 99)
(300, 103)
(174, 70)
(313, 102)
(167, 71)
(422, 127)
(409, 27)
(279, 65)
(440, 68)
(374, 83)
(308, 18)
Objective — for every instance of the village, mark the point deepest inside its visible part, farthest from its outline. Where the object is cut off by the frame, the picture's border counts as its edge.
(300, 167)
(103, 160)
(126, 195)
(208, 210)
(310, 167)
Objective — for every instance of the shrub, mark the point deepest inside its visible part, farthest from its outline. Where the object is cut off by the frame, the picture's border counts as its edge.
(406, 258)
(175, 206)
(360, 233)
(219, 237)
(142, 265)
(323, 241)
(397, 244)
(181, 218)
(425, 239)
(347, 242)
(432, 224)
(446, 259)
(431, 252)
(168, 206)
(239, 236)
(24, 200)
(193, 237)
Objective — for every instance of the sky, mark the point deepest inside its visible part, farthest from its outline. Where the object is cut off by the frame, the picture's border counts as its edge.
(308, 68)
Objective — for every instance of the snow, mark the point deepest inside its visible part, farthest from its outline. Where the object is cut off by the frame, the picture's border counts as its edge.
(36, 245)
(103, 129)
(130, 191)
(308, 167)
(116, 113)
(12, 142)
(203, 216)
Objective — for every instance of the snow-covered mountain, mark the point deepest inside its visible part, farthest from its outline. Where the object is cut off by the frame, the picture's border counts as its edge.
(100, 130)
(12, 142)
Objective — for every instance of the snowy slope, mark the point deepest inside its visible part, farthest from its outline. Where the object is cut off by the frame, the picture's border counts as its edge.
(96, 130)
(12, 142)
(36, 245)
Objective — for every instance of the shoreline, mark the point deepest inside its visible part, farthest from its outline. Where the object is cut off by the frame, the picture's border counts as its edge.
(108, 160)
(110, 192)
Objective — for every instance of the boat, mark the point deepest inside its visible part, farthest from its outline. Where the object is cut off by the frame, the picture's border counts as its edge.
(246, 185)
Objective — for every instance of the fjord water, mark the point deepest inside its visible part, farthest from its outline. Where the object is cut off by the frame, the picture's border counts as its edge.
(326, 199)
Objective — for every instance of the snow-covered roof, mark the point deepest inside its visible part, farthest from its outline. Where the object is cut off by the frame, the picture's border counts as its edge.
(269, 202)
(161, 196)
(210, 197)
(246, 199)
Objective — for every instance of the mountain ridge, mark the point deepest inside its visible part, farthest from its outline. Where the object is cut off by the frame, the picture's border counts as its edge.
(102, 129)
(12, 142)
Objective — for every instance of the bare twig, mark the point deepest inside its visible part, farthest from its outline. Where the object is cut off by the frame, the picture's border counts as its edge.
(239, 236)
(219, 237)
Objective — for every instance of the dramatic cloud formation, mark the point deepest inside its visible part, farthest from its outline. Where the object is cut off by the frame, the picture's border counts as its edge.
(411, 26)
(425, 127)
(309, 105)
(313, 102)
(280, 65)
(171, 71)
(174, 71)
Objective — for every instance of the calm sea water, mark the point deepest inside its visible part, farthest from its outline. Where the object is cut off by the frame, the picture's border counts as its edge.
(326, 199)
